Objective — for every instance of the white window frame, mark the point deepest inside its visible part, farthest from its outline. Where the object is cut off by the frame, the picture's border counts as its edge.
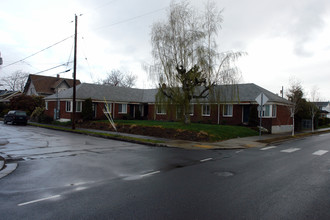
(208, 110)
(78, 106)
(160, 110)
(109, 107)
(228, 110)
(68, 106)
(46, 105)
(191, 109)
(272, 111)
(123, 108)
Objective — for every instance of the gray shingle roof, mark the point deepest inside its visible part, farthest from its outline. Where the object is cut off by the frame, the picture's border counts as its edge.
(110, 93)
(227, 93)
(247, 93)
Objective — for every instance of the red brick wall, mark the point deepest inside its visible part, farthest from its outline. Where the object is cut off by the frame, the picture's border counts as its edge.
(236, 119)
(282, 116)
(51, 107)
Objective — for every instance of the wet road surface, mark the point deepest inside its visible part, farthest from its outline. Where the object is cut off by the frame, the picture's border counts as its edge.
(70, 176)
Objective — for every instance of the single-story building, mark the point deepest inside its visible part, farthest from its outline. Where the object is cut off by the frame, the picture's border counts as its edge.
(324, 108)
(235, 105)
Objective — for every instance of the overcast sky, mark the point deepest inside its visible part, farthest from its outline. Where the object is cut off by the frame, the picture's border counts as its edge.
(284, 39)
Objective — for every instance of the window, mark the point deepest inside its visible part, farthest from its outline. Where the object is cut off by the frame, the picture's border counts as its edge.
(205, 110)
(107, 107)
(191, 109)
(228, 110)
(269, 111)
(266, 112)
(161, 110)
(274, 111)
(46, 105)
(122, 108)
(68, 107)
(78, 106)
(180, 112)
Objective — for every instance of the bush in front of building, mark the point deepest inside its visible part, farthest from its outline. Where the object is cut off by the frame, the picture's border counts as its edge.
(38, 115)
(87, 110)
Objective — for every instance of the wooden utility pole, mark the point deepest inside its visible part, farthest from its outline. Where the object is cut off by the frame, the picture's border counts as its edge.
(73, 120)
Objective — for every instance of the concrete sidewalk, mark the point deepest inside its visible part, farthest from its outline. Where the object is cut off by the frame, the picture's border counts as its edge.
(236, 143)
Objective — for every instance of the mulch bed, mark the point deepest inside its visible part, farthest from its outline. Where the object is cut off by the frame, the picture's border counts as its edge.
(155, 131)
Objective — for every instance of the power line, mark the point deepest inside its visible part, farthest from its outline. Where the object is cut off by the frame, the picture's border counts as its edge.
(38, 52)
(98, 7)
(64, 64)
(132, 18)
(83, 49)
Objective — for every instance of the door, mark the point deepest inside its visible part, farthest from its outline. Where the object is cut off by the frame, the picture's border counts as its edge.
(246, 114)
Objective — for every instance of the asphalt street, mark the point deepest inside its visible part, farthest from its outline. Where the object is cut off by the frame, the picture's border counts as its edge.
(69, 176)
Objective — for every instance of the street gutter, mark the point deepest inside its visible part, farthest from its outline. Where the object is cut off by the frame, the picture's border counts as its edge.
(290, 137)
(117, 137)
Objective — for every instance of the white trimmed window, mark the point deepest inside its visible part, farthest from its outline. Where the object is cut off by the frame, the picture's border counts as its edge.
(228, 110)
(122, 108)
(191, 109)
(269, 111)
(68, 106)
(161, 110)
(46, 105)
(206, 110)
(108, 107)
(179, 110)
(78, 106)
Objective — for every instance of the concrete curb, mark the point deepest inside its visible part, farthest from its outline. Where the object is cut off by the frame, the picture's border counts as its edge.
(8, 169)
(2, 163)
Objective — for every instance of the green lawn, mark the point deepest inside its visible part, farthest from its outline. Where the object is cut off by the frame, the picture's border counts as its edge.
(218, 132)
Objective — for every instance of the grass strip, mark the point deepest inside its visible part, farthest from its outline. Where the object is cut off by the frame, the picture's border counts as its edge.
(99, 134)
(216, 132)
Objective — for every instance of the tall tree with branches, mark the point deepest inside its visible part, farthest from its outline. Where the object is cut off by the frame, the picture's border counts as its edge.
(118, 78)
(16, 81)
(187, 62)
(295, 95)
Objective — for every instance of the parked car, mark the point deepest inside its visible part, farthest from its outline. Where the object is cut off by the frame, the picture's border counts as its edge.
(16, 117)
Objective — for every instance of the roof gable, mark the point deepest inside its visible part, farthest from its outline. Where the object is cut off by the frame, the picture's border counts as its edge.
(47, 84)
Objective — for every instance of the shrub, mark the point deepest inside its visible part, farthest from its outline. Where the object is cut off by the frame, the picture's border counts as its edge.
(37, 113)
(87, 110)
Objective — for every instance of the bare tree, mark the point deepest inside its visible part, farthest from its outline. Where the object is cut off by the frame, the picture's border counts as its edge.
(187, 63)
(16, 81)
(315, 97)
(118, 78)
(295, 95)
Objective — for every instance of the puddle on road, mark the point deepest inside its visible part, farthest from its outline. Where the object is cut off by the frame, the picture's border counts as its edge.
(4, 142)
(224, 173)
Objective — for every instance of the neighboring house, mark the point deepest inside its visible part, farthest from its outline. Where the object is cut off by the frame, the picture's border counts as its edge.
(6, 96)
(324, 108)
(46, 85)
(235, 105)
